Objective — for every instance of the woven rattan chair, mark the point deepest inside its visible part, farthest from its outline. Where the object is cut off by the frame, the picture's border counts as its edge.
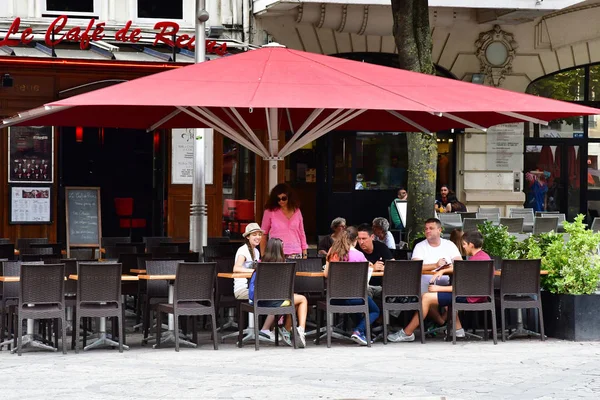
(112, 241)
(186, 257)
(113, 252)
(162, 250)
(10, 294)
(84, 254)
(467, 214)
(312, 288)
(217, 240)
(211, 253)
(7, 250)
(182, 247)
(37, 251)
(472, 224)
(5, 241)
(153, 241)
(25, 243)
(41, 296)
(473, 279)
(346, 280)
(402, 279)
(488, 210)
(526, 214)
(513, 225)
(520, 288)
(156, 290)
(595, 225)
(224, 297)
(274, 282)
(545, 224)
(193, 296)
(493, 218)
(450, 221)
(99, 295)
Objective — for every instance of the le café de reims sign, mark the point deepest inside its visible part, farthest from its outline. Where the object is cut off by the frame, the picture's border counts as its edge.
(94, 31)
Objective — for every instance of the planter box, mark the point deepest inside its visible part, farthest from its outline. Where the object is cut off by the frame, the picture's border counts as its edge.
(571, 317)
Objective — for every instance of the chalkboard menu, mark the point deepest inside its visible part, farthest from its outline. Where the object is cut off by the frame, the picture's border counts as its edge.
(84, 222)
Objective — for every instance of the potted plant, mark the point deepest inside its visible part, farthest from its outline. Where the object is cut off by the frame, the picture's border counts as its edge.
(570, 298)
(497, 242)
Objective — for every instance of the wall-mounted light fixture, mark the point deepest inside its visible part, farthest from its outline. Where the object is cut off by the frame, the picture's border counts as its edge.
(79, 134)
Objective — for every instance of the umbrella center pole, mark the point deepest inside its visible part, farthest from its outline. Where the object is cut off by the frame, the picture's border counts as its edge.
(198, 208)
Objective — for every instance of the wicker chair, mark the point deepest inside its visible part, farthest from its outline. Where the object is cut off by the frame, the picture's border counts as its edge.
(186, 257)
(211, 253)
(595, 225)
(113, 252)
(10, 294)
(513, 225)
(312, 288)
(274, 282)
(467, 214)
(224, 292)
(520, 288)
(162, 250)
(346, 280)
(473, 279)
(5, 241)
(217, 240)
(472, 224)
(99, 295)
(402, 279)
(450, 221)
(7, 250)
(193, 295)
(25, 243)
(545, 224)
(41, 296)
(152, 241)
(157, 290)
(182, 247)
(112, 241)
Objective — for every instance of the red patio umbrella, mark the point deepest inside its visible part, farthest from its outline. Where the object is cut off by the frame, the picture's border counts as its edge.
(277, 88)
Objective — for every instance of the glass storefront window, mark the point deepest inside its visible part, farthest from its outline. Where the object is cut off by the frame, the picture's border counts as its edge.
(381, 161)
(571, 127)
(238, 188)
(593, 166)
(342, 164)
(567, 85)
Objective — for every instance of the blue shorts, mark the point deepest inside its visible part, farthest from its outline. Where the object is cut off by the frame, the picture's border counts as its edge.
(445, 299)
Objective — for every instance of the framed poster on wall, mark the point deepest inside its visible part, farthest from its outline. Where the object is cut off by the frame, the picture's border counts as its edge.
(30, 154)
(30, 204)
(182, 156)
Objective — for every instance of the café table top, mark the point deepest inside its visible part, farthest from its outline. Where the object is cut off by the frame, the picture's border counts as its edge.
(157, 277)
(319, 274)
(137, 271)
(123, 277)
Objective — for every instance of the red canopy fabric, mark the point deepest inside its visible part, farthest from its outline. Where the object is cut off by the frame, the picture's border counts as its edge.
(296, 83)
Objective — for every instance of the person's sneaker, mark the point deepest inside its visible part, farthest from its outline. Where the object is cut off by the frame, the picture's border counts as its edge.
(359, 338)
(269, 335)
(460, 333)
(285, 335)
(400, 336)
(301, 336)
(377, 329)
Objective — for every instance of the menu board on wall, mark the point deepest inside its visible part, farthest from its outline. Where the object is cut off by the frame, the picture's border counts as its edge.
(504, 146)
(30, 205)
(182, 156)
(30, 154)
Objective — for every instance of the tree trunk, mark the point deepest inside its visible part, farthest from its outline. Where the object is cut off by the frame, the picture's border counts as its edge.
(413, 40)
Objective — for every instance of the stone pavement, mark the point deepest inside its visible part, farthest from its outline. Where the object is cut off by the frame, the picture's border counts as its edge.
(519, 369)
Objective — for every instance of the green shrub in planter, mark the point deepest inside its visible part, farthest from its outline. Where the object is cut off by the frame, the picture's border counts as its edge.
(497, 242)
(573, 267)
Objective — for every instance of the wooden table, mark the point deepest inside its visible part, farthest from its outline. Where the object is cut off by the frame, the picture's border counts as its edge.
(168, 336)
(123, 277)
(137, 271)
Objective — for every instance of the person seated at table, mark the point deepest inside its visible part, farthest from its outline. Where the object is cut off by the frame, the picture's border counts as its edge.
(274, 253)
(456, 238)
(338, 225)
(377, 253)
(394, 215)
(381, 230)
(472, 243)
(344, 249)
(246, 258)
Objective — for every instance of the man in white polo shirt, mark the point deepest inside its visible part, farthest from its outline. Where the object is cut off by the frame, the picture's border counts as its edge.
(435, 252)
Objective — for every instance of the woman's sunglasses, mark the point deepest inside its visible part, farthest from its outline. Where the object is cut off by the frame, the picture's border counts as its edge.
(282, 198)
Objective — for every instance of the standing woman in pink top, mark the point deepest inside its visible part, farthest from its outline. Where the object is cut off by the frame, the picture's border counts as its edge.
(283, 220)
